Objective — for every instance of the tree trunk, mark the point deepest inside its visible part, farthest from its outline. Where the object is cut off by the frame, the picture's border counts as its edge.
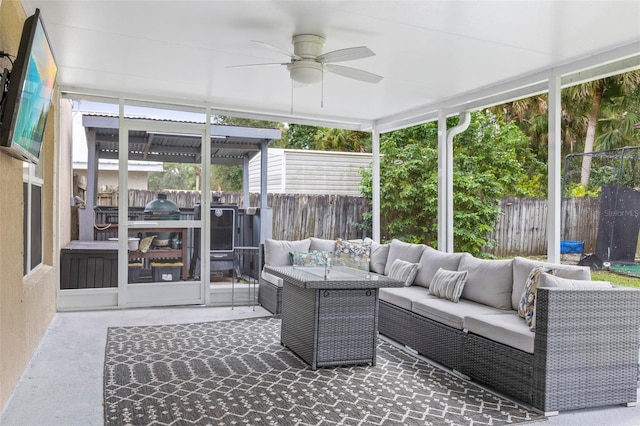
(591, 133)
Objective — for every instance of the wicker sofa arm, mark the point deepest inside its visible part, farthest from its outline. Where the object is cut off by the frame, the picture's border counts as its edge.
(586, 347)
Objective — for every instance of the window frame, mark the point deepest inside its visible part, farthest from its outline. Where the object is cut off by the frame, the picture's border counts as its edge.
(33, 223)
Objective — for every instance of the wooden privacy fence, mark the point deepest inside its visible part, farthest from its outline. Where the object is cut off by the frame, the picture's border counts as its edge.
(521, 228)
(295, 216)
(323, 216)
(522, 225)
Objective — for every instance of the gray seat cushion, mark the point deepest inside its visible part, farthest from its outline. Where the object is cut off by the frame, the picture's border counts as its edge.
(403, 297)
(277, 281)
(489, 281)
(522, 266)
(450, 313)
(510, 330)
(431, 260)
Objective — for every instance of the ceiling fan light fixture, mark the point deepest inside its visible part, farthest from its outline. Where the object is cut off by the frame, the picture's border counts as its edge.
(305, 72)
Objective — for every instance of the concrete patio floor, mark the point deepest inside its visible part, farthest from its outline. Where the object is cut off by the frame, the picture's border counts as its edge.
(63, 382)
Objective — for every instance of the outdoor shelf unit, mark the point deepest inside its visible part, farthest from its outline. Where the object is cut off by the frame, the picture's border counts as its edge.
(159, 253)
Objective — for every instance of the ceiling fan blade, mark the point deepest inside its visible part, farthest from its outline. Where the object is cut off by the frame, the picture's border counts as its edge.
(347, 54)
(356, 74)
(277, 49)
(258, 65)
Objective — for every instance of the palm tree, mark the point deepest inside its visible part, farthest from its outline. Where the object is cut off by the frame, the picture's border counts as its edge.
(616, 98)
(601, 113)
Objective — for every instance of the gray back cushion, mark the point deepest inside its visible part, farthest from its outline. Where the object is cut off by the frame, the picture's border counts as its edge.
(276, 252)
(431, 260)
(320, 244)
(489, 281)
(522, 266)
(548, 280)
(404, 251)
(379, 255)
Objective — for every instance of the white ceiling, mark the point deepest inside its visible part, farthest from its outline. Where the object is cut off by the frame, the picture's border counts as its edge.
(429, 52)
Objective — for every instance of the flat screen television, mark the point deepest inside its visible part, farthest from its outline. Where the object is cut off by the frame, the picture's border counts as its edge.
(28, 93)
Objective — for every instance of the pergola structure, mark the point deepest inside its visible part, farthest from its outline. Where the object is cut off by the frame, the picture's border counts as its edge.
(230, 145)
(437, 59)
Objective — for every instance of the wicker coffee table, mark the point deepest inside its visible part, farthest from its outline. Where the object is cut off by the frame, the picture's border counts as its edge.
(330, 321)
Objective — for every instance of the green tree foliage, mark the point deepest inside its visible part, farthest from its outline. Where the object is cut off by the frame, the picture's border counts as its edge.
(246, 122)
(174, 176)
(226, 178)
(299, 136)
(183, 176)
(491, 160)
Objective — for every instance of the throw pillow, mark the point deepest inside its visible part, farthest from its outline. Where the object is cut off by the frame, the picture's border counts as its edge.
(353, 254)
(313, 258)
(403, 271)
(526, 307)
(448, 284)
(145, 244)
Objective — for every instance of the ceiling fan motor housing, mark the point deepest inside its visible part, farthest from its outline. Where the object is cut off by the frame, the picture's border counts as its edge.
(307, 46)
(306, 70)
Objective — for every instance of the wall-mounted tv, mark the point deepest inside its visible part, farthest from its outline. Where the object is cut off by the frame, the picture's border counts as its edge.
(28, 92)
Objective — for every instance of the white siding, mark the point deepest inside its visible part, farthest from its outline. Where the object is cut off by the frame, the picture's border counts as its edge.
(274, 171)
(311, 172)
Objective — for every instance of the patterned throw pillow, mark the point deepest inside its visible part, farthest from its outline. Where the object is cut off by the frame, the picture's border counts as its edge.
(527, 305)
(312, 258)
(448, 284)
(145, 244)
(403, 271)
(353, 254)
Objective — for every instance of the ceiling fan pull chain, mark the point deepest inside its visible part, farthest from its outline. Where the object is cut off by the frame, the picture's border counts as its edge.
(322, 87)
(291, 97)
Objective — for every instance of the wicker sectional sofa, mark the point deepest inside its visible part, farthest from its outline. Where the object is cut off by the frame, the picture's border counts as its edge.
(583, 352)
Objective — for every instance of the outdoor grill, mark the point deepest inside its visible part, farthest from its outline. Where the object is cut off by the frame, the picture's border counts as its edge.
(161, 209)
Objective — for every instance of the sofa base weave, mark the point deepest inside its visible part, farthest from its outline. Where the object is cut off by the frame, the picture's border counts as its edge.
(436, 341)
(396, 322)
(270, 296)
(582, 358)
(501, 367)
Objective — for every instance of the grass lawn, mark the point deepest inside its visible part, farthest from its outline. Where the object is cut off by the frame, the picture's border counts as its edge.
(617, 279)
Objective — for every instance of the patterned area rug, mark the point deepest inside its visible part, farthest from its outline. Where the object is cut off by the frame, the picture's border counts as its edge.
(236, 372)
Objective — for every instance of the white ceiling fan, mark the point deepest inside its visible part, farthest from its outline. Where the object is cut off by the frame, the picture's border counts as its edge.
(308, 63)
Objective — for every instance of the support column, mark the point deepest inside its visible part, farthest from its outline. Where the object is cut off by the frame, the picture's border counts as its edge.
(245, 183)
(554, 177)
(205, 208)
(266, 214)
(123, 206)
(375, 186)
(85, 215)
(443, 192)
